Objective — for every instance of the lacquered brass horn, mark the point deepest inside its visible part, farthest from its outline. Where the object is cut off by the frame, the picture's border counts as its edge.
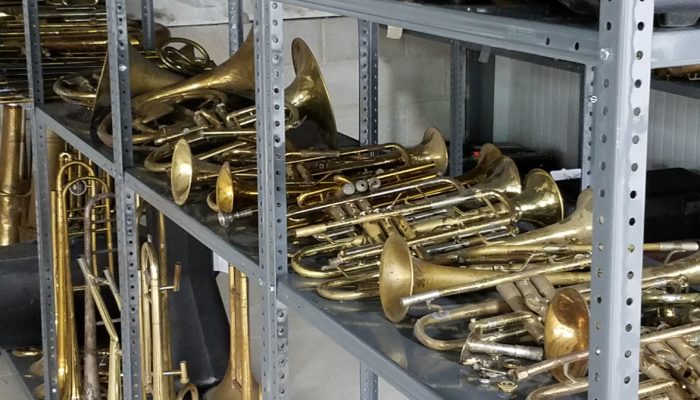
(238, 383)
(308, 91)
(430, 152)
(15, 181)
(402, 275)
(566, 331)
(505, 180)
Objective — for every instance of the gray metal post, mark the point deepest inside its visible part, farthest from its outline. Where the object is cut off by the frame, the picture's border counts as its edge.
(125, 198)
(43, 204)
(619, 182)
(458, 106)
(272, 204)
(587, 100)
(235, 25)
(368, 48)
(148, 25)
(369, 385)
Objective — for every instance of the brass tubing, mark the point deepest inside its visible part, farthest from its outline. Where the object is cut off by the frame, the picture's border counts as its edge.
(560, 390)
(15, 181)
(548, 365)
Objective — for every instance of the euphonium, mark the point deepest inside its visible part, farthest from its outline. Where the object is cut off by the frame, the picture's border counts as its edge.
(238, 383)
(15, 181)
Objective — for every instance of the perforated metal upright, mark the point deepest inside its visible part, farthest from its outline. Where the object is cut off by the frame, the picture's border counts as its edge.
(127, 239)
(272, 201)
(618, 180)
(368, 73)
(458, 105)
(43, 205)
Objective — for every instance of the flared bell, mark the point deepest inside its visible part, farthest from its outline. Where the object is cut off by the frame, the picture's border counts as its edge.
(504, 178)
(402, 275)
(540, 201)
(489, 155)
(186, 171)
(566, 332)
(432, 149)
(235, 76)
(231, 191)
(144, 76)
(308, 92)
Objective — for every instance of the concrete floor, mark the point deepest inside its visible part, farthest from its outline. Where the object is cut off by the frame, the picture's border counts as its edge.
(12, 386)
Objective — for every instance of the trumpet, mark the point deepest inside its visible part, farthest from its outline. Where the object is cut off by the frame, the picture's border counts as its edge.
(430, 155)
(504, 180)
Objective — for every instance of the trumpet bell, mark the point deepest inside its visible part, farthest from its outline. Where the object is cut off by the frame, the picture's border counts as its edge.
(432, 149)
(566, 332)
(182, 172)
(230, 191)
(308, 91)
(504, 178)
(396, 274)
(489, 155)
(540, 201)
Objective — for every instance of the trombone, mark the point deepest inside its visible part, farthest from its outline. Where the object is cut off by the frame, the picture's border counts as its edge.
(238, 382)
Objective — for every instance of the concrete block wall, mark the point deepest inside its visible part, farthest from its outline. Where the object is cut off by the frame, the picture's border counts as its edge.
(413, 74)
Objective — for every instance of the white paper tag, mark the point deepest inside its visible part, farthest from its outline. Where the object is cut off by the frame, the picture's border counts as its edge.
(394, 32)
(220, 265)
(565, 174)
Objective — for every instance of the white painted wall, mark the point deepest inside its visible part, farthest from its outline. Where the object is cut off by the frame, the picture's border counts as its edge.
(538, 106)
(413, 74)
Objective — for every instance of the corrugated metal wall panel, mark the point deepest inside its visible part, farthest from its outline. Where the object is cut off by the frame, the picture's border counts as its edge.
(538, 107)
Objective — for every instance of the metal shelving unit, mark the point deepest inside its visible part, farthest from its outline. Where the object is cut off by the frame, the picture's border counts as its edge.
(615, 82)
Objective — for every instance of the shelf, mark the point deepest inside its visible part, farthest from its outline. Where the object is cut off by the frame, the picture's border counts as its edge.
(556, 40)
(238, 244)
(391, 351)
(71, 122)
(689, 89)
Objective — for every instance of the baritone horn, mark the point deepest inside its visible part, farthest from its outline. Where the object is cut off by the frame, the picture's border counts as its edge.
(238, 383)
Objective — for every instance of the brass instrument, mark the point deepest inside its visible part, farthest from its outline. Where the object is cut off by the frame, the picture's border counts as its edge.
(96, 218)
(15, 176)
(162, 387)
(238, 382)
(114, 384)
(504, 181)
(430, 155)
(75, 178)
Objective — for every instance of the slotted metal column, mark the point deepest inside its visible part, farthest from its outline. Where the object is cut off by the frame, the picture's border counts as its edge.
(125, 198)
(587, 99)
(272, 201)
(43, 204)
(458, 106)
(619, 178)
(235, 25)
(148, 25)
(368, 51)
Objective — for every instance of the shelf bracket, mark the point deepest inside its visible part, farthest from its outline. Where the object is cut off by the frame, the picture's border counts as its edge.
(368, 41)
(621, 113)
(272, 200)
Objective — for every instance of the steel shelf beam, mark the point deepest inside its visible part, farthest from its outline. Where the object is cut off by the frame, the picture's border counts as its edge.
(210, 234)
(100, 156)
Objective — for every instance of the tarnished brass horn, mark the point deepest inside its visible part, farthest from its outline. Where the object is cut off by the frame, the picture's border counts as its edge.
(402, 274)
(431, 151)
(15, 181)
(505, 180)
(489, 156)
(238, 383)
